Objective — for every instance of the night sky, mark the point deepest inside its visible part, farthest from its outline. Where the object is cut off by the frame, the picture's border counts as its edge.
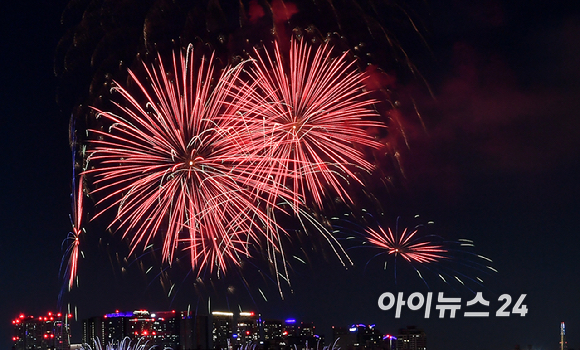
(497, 162)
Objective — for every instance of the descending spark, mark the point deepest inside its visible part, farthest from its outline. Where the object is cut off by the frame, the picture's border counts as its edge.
(313, 116)
(263, 295)
(173, 164)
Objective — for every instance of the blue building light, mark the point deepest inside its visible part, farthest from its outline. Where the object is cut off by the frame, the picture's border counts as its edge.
(120, 314)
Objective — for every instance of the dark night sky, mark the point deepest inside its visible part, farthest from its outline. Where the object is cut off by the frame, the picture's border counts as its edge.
(498, 164)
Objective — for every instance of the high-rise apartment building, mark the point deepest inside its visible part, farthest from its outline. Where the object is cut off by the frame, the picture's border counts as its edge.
(272, 332)
(247, 329)
(171, 329)
(411, 338)
(94, 328)
(222, 329)
(50, 332)
(361, 337)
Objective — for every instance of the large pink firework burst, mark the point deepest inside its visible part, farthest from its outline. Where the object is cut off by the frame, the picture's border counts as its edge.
(311, 116)
(406, 245)
(173, 164)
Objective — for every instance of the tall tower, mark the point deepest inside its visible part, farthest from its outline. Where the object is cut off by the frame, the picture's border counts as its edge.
(563, 343)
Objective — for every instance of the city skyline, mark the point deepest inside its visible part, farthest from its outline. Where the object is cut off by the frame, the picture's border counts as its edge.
(182, 330)
(233, 331)
(495, 162)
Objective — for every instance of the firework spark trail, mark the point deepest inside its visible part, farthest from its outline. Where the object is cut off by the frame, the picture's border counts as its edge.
(177, 164)
(72, 241)
(73, 249)
(312, 115)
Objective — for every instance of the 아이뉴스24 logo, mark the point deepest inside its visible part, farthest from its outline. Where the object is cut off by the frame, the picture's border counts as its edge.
(449, 306)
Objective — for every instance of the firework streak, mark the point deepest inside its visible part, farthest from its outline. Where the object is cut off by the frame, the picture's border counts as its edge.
(73, 249)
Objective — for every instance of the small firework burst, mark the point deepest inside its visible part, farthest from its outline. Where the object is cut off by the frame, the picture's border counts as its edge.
(450, 261)
(408, 245)
(412, 251)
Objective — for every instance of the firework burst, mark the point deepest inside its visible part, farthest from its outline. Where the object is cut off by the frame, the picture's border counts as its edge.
(407, 245)
(449, 260)
(172, 163)
(311, 117)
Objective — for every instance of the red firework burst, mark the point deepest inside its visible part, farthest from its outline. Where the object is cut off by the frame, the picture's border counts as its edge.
(173, 164)
(310, 116)
(411, 248)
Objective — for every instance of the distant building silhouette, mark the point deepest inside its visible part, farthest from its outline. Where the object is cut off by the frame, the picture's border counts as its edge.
(175, 330)
(272, 332)
(195, 332)
(50, 332)
(361, 337)
(250, 331)
(222, 329)
(411, 338)
(217, 331)
(94, 328)
(247, 329)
